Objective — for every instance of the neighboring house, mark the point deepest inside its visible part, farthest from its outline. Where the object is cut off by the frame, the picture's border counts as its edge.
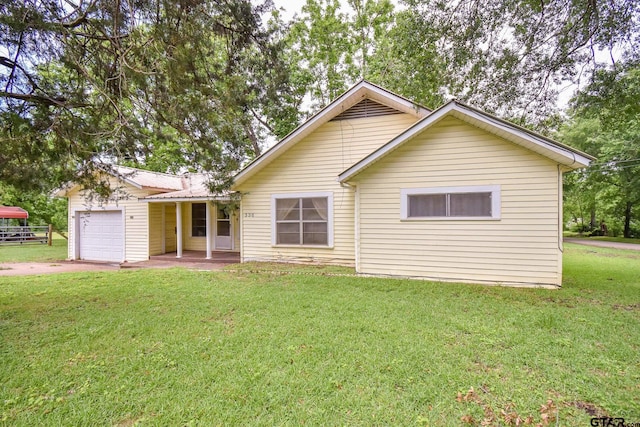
(380, 183)
(372, 181)
(149, 213)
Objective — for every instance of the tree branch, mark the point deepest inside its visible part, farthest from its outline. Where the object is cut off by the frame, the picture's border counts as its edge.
(261, 120)
(9, 63)
(41, 99)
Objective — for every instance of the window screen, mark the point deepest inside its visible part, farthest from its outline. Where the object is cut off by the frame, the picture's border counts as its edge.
(450, 204)
(302, 221)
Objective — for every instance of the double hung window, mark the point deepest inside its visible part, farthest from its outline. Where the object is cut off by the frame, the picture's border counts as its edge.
(302, 219)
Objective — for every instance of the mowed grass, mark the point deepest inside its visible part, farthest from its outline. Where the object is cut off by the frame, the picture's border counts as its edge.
(34, 252)
(178, 347)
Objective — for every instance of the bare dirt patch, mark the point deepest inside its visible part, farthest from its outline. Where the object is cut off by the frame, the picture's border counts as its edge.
(35, 268)
(589, 408)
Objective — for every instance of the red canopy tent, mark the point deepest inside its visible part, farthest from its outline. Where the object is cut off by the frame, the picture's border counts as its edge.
(13, 212)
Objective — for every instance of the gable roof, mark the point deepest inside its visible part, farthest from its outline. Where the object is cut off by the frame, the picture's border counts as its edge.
(361, 91)
(563, 154)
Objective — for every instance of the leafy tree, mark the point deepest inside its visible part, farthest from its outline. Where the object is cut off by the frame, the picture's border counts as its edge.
(611, 106)
(510, 56)
(321, 51)
(43, 209)
(407, 60)
(192, 83)
(581, 187)
(371, 21)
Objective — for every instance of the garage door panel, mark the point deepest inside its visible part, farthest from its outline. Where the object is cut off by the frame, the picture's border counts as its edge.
(101, 236)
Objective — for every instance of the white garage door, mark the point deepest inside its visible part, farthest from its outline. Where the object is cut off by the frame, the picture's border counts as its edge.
(101, 236)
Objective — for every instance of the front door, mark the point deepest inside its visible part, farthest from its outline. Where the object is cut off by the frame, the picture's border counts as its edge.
(223, 228)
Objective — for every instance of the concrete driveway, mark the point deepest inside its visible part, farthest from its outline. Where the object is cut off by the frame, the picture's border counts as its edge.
(34, 268)
(604, 244)
(31, 268)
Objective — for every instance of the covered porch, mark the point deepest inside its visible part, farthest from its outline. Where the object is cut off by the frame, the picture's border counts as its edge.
(216, 257)
(200, 227)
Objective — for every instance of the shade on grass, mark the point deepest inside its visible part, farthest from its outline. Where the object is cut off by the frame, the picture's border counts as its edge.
(174, 347)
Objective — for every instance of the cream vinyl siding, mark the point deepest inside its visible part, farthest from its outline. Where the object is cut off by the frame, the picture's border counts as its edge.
(136, 219)
(520, 247)
(155, 229)
(170, 242)
(189, 242)
(312, 165)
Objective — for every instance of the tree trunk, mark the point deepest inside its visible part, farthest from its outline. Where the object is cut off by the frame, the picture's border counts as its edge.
(255, 144)
(627, 220)
(593, 223)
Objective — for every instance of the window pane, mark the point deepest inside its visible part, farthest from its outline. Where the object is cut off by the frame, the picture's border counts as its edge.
(223, 228)
(288, 233)
(288, 209)
(199, 219)
(314, 209)
(470, 204)
(422, 205)
(314, 233)
(223, 213)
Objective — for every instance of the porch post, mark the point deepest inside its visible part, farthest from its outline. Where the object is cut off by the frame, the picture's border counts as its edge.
(208, 226)
(178, 230)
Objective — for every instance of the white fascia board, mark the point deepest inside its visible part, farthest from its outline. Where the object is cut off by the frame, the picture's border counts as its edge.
(128, 181)
(292, 138)
(64, 190)
(395, 142)
(183, 199)
(383, 96)
(570, 157)
(323, 116)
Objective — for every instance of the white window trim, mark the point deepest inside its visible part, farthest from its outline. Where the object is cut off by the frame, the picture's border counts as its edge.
(327, 194)
(493, 189)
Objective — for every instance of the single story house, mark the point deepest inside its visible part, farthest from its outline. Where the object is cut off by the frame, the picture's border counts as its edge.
(377, 182)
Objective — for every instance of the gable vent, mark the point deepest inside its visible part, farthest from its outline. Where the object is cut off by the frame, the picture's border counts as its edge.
(366, 108)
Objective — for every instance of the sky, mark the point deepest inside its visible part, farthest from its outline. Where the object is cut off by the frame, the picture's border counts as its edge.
(295, 6)
(290, 7)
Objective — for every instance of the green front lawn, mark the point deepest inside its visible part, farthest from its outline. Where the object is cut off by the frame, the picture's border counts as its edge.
(178, 347)
(34, 252)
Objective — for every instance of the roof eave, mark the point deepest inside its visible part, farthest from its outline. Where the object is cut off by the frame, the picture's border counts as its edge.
(346, 100)
(151, 199)
(564, 155)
